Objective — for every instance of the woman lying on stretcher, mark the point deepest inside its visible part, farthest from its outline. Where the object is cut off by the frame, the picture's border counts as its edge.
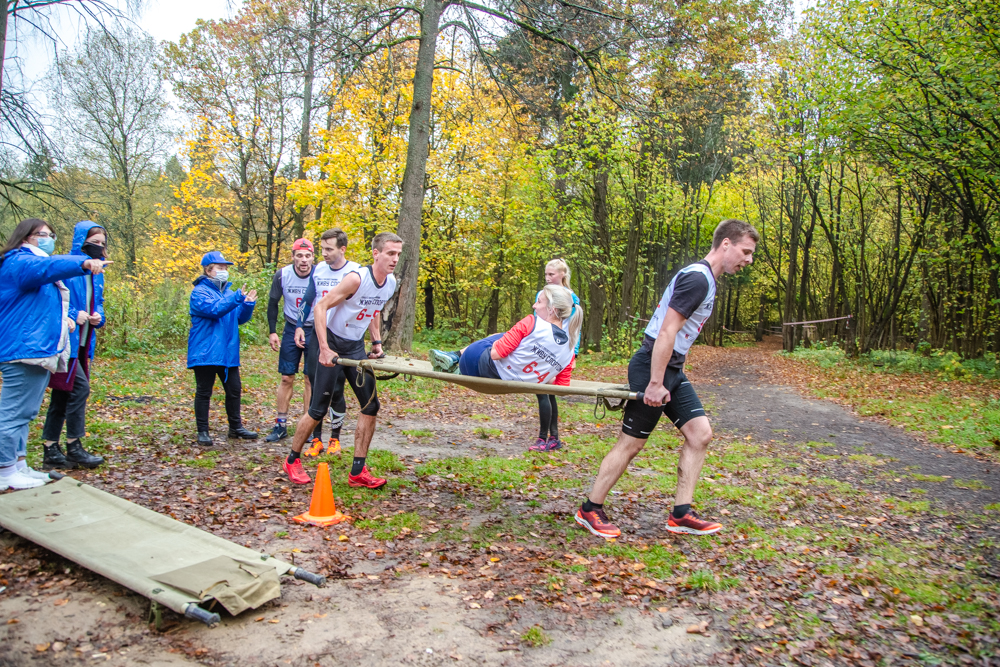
(539, 348)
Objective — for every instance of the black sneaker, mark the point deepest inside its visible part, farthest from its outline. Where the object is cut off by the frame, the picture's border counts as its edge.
(279, 432)
(78, 457)
(242, 433)
(54, 457)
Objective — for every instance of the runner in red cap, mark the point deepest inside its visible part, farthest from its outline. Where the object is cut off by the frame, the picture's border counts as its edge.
(289, 284)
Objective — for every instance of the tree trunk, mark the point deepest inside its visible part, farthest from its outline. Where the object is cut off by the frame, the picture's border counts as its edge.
(298, 229)
(3, 39)
(429, 304)
(598, 296)
(399, 314)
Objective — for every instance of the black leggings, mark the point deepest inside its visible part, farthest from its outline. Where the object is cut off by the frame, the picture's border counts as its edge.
(204, 377)
(69, 407)
(548, 416)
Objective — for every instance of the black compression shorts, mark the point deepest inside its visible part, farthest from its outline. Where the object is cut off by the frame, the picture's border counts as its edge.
(329, 378)
(640, 419)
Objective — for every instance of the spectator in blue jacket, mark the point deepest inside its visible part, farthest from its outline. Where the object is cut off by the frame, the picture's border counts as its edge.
(70, 390)
(214, 343)
(34, 305)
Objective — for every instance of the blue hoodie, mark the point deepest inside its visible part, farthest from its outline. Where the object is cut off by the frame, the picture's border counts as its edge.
(214, 339)
(30, 305)
(78, 290)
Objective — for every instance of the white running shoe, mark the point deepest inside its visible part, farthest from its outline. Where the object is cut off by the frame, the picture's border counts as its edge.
(35, 474)
(19, 481)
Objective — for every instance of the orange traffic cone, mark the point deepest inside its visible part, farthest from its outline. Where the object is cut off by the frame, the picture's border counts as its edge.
(323, 508)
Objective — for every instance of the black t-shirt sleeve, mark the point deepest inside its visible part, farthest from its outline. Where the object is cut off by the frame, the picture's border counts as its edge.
(272, 302)
(689, 291)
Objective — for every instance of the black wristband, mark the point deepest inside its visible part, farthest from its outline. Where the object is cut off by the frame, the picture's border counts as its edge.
(376, 342)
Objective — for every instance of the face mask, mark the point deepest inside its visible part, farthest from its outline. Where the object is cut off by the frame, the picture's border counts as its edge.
(47, 245)
(222, 276)
(93, 251)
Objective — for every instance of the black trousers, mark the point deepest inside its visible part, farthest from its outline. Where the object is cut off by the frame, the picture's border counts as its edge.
(69, 407)
(204, 377)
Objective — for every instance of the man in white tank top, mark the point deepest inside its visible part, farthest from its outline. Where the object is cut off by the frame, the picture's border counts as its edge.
(326, 276)
(657, 370)
(349, 309)
(289, 286)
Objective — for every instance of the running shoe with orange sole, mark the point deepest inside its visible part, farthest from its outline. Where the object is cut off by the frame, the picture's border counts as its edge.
(692, 525)
(295, 472)
(597, 523)
(365, 479)
(334, 446)
(315, 448)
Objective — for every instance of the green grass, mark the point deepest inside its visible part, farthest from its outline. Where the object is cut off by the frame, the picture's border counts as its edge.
(927, 478)
(992, 507)
(706, 580)
(535, 637)
(487, 433)
(388, 528)
(207, 460)
(419, 433)
(866, 459)
(971, 484)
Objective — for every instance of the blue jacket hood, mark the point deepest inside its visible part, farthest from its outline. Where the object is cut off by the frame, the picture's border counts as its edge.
(80, 231)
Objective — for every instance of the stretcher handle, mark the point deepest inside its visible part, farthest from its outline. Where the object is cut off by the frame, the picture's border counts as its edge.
(640, 395)
(209, 618)
(304, 575)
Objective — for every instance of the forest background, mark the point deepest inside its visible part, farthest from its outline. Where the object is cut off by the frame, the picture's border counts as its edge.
(861, 140)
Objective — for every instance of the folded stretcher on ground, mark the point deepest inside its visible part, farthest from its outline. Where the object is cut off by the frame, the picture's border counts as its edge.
(169, 562)
(420, 368)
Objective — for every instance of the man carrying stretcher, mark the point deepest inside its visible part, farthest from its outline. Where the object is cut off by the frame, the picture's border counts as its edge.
(348, 310)
(657, 369)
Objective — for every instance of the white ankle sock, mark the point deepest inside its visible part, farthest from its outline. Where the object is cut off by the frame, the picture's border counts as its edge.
(8, 471)
(21, 464)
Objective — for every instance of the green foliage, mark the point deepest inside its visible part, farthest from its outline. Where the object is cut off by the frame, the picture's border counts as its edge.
(388, 528)
(535, 637)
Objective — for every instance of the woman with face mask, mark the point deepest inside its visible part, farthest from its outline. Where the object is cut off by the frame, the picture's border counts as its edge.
(70, 390)
(34, 304)
(217, 311)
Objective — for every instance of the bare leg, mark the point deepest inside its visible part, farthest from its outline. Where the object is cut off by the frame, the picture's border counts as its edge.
(363, 433)
(285, 393)
(303, 431)
(697, 434)
(613, 466)
(307, 393)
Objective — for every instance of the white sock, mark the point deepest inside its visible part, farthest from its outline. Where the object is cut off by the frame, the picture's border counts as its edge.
(8, 471)
(22, 464)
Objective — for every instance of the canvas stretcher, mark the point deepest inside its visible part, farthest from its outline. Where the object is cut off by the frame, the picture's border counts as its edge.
(173, 564)
(421, 368)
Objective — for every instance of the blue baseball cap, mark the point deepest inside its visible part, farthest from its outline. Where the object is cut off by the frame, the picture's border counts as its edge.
(214, 257)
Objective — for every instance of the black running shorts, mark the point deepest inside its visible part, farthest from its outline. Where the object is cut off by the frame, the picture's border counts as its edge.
(640, 419)
(329, 378)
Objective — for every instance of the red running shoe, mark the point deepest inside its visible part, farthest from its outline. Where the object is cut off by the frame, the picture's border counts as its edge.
(365, 479)
(295, 472)
(597, 523)
(333, 447)
(692, 525)
(315, 448)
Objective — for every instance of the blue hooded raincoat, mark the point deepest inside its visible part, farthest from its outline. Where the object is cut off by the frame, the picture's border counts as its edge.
(78, 290)
(30, 305)
(214, 339)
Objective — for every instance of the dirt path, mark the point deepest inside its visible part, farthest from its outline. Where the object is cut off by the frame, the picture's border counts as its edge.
(742, 397)
(494, 560)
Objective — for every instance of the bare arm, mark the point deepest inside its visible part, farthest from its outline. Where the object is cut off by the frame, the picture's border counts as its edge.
(348, 286)
(656, 393)
(375, 330)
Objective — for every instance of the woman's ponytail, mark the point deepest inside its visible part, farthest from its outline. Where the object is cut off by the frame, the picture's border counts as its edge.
(561, 302)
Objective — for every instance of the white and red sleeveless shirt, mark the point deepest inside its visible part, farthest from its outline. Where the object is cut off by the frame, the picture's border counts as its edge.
(293, 292)
(351, 318)
(326, 278)
(538, 357)
(692, 326)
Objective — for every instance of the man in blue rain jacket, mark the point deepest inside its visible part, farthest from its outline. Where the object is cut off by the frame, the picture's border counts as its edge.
(217, 311)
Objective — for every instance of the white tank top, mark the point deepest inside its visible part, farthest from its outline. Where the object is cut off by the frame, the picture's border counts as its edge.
(293, 291)
(351, 318)
(326, 278)
(537, 358)
(692, 327)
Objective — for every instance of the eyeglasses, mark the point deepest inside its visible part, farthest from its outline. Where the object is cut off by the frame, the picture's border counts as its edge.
(45, 235)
